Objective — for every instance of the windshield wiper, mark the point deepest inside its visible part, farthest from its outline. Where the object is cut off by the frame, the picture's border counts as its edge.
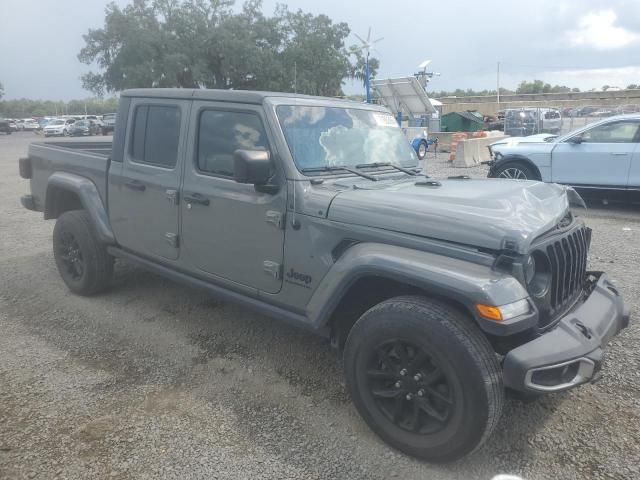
(342, 169)
(388, 164)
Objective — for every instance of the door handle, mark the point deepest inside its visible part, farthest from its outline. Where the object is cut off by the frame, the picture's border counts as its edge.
(135, 185)
(196, 198)
(619, 154)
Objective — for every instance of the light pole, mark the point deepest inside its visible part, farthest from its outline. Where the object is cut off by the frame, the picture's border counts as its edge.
(367, 79)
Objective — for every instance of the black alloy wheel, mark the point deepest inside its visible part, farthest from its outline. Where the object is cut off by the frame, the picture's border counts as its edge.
(410, 388)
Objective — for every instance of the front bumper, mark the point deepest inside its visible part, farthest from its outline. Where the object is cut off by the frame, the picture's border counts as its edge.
(572, 353)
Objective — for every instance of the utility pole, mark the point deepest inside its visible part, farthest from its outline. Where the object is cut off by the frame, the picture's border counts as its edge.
(295, 77)
(498, 82)
(367, 79)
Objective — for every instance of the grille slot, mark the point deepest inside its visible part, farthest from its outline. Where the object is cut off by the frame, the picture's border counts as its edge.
(568, 259)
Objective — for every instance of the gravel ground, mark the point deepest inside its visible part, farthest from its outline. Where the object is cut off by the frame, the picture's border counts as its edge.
(153, 380)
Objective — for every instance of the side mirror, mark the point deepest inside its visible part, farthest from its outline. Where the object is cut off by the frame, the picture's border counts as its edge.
(576, 139)
(251, 166)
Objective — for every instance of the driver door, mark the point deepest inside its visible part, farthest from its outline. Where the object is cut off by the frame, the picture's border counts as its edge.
(232, 232)
(599, 156)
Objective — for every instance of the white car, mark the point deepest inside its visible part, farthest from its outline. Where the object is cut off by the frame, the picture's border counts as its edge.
(30, 124)
(604, 155)
(56, 127)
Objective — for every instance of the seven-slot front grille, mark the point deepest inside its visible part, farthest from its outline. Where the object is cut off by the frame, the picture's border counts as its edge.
(568, 260)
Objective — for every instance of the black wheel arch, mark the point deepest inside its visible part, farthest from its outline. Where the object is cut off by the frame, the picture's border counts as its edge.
(514, 159)
(66, 192)
(370, 289)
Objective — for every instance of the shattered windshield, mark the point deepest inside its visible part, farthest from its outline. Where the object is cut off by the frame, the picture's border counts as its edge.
(320, 137)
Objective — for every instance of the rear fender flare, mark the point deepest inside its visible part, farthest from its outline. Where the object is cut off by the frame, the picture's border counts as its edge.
(88, 194)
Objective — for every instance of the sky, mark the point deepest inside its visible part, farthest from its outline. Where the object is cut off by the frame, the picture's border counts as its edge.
(584, 44)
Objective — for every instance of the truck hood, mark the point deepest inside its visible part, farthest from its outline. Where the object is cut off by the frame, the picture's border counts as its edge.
(481, 213)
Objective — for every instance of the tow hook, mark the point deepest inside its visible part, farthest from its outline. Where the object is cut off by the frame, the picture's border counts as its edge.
(583, 329)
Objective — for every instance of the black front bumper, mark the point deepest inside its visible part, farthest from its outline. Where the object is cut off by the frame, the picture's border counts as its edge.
(572, 353)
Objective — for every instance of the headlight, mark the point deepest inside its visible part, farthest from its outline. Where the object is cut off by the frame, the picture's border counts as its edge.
(537, 274)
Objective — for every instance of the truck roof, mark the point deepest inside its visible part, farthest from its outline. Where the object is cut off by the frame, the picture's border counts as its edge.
(240, 96)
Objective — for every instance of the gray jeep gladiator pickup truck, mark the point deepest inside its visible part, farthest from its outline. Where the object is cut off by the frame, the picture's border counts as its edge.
(439, 294)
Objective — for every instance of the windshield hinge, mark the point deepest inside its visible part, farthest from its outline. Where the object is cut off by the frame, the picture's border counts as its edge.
(273, 268)
(275, 218)
(172, 239)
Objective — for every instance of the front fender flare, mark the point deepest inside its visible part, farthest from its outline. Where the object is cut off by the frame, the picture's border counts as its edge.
(464, 282)
(88, 194)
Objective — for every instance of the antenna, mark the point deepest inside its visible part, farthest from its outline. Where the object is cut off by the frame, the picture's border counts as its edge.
(423, 76)
(367, 46)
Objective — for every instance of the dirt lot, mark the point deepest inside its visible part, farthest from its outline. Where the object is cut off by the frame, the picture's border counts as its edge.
(153, 380)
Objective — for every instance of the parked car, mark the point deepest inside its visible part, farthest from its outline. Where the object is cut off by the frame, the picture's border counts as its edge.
(44, 121)
(5, 126)
(602, 112)
(312, 210)
(58, 127)
(84, 127)
(12, 125)
(585, 111)
(602, 155)
(108, 123)
(625, 109)
(30, 125)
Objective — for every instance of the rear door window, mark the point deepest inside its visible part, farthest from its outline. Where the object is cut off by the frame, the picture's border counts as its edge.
(155, 135)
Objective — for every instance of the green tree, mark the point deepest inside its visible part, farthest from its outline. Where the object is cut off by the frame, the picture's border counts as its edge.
(537, 86)
(20, 108)
(204, 43)
(358, 67)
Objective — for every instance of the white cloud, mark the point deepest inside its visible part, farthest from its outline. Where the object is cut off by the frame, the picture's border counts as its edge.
(598, 30)
(586, 79)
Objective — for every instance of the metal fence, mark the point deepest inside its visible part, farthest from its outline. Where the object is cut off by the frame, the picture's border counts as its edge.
(526, 121)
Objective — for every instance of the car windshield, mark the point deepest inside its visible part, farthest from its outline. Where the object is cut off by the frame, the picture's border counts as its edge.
(81, 123)
(57, 122)
(330, 137)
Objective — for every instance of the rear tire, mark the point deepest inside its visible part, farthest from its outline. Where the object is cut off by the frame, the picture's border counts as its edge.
(82, 260)
(424, 378)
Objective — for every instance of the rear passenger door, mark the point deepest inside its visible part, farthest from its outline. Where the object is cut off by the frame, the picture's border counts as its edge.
(144, 193)
(232, 232)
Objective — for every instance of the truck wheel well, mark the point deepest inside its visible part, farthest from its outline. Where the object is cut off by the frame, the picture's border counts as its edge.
(367, 292)
(60, 200)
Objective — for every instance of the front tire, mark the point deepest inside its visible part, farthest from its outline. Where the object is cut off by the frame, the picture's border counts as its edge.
(515, 171)
(82, 260)
(424, 378)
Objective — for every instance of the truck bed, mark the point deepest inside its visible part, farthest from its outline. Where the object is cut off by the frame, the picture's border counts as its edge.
(89, 159)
